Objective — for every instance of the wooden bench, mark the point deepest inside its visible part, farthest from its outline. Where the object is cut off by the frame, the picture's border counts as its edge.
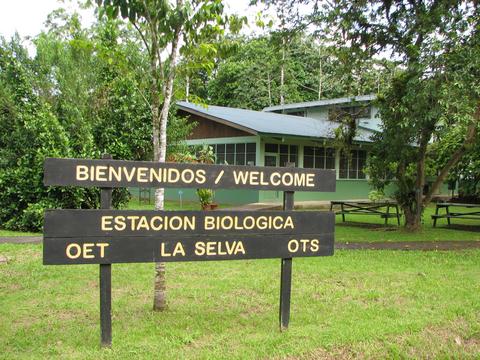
(472, 215)
(367, 208)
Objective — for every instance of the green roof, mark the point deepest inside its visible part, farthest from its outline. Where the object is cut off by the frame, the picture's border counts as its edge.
(266, 123)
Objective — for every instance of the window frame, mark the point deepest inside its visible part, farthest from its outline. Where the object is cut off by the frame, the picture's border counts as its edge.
(326, 151)
(347, 171)
(248, 156)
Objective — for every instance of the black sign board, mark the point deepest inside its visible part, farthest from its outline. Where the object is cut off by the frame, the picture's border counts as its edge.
(116, 236)
(121, 173)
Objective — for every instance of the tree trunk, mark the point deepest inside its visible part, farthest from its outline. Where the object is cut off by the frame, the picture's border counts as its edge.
(282, 75)
(160, 299)
(320, 76)
(412, 221)
(269, 90)
(187, 88)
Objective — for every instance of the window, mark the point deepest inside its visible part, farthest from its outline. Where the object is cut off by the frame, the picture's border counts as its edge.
(251, 154)
(318, 157)
(235, 154)
(353, 167)
(297, 113)
(271, 148)
(288, 153)
(356, 112)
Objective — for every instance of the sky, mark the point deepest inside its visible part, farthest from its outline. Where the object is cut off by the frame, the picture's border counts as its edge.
(27, 17)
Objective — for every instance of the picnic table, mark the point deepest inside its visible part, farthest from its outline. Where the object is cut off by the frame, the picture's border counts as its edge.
(382, 209)
(469, 214)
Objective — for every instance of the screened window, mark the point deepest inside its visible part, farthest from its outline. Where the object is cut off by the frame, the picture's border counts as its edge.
(297, 113)
(287, 153)
(318, 157)
(235, 154)
(356, 112)
(353, 167)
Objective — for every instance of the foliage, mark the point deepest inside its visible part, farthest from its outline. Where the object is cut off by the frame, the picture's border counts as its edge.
(376, 195)
(205, 155)
(178, 130)
(249, 76)
(80, 96)
(29, 132)
(205, 196)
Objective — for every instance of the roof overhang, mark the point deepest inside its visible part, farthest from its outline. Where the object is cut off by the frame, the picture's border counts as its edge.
(320, 103)
(217, 119)
(308, 138)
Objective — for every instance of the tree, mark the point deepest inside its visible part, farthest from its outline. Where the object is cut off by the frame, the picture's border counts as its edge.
(249, 76)
(164, 27)
(29, 132)
(289, 25)
(435, 91)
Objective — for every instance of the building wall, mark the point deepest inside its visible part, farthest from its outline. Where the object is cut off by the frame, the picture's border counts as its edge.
(221, 196)
(206, 128)
(346, 189)
(322, 113)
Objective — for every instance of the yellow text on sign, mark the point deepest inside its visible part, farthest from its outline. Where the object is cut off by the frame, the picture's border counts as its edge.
(303, 245)
(204, 248)
(86, 250)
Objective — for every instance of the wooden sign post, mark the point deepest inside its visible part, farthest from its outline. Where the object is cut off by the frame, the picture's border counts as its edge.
(106, 236)
(286, 270)
(106, 279)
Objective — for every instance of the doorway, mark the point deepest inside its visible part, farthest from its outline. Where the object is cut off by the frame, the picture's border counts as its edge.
(271, 160)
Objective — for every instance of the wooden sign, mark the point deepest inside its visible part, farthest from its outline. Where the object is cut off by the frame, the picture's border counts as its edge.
(115, 236)
(119, 236)
(120, 173)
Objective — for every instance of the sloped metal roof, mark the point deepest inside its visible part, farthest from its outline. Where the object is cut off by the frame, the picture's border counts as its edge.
(265, 123)
(320, 103)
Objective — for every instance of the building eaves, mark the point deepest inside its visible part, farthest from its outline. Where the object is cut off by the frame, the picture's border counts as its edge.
(320, 103)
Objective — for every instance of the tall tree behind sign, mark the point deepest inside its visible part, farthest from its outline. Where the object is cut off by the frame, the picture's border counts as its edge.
(165, 27)
(434, 93)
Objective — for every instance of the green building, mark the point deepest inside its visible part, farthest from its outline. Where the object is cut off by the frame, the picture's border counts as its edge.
(301, 133)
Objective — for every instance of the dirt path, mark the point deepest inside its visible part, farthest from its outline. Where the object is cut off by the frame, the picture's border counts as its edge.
(399, 245)
(21, 239)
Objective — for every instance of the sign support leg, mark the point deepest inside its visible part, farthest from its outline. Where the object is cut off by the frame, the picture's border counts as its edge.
(106, 279)
(286, 274)
(106, 304)
(285, 292)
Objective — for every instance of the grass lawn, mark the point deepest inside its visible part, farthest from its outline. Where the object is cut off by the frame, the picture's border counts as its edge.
(370, 304)
(134, 204)
(17, 233)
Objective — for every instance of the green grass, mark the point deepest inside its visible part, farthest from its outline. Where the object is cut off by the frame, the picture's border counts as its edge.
(18, 233)
(369, 304)
(134, 204)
